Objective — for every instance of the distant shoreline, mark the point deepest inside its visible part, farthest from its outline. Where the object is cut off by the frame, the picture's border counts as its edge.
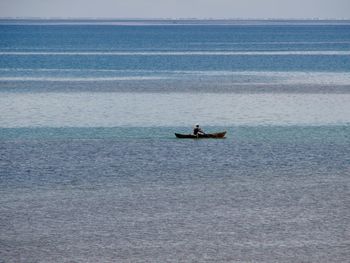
(165, 21)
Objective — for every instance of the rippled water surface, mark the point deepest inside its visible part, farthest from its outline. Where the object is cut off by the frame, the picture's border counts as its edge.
(90, 169)
(262, 194)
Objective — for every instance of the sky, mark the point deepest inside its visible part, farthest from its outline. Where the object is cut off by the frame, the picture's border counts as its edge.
(243, 9)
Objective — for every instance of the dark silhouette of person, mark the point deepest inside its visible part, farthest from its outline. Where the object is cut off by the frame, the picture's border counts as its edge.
(197, 130)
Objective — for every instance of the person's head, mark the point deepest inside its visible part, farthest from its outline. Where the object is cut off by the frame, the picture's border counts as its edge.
(197, 125)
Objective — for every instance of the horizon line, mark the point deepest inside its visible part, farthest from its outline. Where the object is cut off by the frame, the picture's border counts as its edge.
(176, 19)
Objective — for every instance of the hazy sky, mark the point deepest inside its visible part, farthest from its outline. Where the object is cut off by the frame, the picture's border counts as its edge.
(177, 8)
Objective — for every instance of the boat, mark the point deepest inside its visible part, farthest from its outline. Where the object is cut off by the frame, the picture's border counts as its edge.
(217, 135)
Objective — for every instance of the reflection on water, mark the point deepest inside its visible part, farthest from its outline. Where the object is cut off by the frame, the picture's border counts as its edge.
(175, 109)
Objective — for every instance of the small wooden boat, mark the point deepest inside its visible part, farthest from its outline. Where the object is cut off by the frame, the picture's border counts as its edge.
(218, 135)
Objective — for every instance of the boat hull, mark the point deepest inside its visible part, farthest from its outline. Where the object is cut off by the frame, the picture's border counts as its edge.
(218, 135)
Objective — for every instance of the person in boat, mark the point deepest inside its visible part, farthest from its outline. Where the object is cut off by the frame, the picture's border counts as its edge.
(197, 130)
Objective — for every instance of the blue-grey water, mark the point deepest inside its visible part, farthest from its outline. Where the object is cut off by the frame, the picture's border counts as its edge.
(90, 169)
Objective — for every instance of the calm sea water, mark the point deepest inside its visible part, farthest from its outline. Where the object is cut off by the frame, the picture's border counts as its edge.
(90, 169)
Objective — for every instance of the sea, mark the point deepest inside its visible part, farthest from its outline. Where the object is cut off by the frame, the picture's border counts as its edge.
(90, 168)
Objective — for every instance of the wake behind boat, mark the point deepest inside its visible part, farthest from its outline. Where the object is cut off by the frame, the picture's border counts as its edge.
(217, 135)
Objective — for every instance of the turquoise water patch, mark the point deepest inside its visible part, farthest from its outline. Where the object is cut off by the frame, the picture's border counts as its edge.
(238, 133)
